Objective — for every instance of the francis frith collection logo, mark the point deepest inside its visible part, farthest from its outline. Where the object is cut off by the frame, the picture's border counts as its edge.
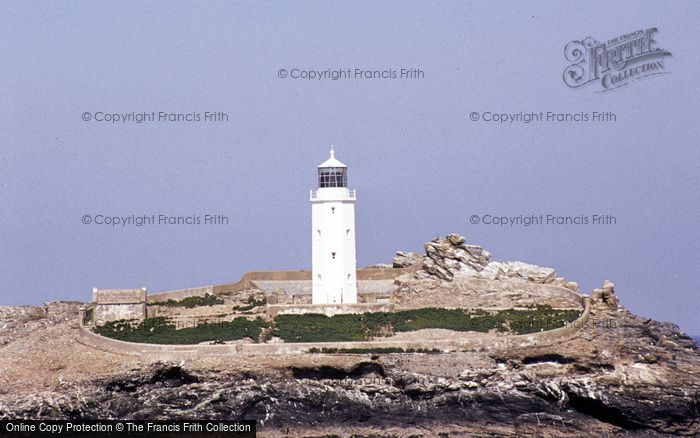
(615, 63)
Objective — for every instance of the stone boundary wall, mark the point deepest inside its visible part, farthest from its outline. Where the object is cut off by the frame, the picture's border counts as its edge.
(180, 294)
(273, 310)
(118, 296)
(527, 286)
(248, 279)
(153, 352)
(305, 275)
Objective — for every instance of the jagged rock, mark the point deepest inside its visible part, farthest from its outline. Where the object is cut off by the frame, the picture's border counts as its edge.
(605, 296)
(445, 256)
(406, 259)
(433, 268)
(450, 257)
(562, 282)
(526, 272)
(455, 239)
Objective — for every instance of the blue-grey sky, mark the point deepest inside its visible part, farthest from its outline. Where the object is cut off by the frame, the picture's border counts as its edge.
(420, 166)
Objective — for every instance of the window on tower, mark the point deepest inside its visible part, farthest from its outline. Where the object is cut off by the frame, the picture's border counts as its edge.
(332, 177)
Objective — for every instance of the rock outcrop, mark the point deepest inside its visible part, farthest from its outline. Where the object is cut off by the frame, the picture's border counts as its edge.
(524, 271)
(445, 256)
(605, 296)
(406, 259)
(449, 257)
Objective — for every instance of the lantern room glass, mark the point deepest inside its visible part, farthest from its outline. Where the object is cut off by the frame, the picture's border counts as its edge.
(332, 177)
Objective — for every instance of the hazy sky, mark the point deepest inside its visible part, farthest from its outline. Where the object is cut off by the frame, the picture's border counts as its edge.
(421, 167)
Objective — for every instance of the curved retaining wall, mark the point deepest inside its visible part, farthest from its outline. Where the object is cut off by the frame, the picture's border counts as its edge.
(154, 352)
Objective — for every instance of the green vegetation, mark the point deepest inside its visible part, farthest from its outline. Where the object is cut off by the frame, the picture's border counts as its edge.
(161, 330)
(361, 327)
(542, 318)
(252, 303)
(190, 302)
(341, 328)
(322, 328)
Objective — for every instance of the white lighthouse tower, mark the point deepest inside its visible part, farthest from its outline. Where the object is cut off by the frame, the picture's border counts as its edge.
(333, 236)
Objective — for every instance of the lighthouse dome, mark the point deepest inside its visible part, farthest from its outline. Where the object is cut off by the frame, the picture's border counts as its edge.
(332, 161)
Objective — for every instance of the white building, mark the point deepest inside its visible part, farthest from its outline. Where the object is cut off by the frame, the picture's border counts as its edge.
(333, 240)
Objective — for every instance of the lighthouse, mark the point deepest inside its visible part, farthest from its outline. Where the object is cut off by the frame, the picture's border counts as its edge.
(333, 236)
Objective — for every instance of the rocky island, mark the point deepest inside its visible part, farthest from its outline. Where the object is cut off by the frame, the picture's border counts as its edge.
(603, 372)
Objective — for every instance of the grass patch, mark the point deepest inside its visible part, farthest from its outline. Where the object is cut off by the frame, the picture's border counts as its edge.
(322, 328)
(190, 302)
(161, 330)
(362, 327)
(343, 328)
